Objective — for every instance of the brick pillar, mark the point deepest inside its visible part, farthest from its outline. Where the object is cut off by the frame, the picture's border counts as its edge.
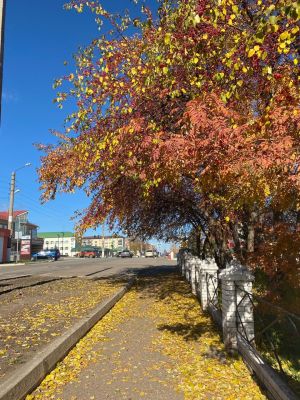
(235, 279)
(206, 286)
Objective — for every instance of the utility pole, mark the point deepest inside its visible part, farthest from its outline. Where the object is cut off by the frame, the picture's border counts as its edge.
(103, 240)
(2, 23)
(12, 198)
(11, 202)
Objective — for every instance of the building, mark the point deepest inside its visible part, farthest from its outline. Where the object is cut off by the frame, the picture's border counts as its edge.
(113, 243)
(65, 242)
(4, 237)
(24, 240)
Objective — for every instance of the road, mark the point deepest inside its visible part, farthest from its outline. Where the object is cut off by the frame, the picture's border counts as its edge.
(94, 268)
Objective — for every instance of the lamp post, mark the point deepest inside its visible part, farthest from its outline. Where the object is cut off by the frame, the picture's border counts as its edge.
(12, 196)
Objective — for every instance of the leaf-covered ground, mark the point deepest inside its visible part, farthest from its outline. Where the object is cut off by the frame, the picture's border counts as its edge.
(34, 316)
(154, 344)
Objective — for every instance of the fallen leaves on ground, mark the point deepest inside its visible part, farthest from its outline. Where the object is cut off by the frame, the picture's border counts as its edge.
(192, 354)
(190, 339)
(34, 316)
(83, 353)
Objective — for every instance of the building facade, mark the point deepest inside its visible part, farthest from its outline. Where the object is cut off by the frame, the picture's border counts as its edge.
(4, 237)
(113, 243)
(65, 242)
(23, 240)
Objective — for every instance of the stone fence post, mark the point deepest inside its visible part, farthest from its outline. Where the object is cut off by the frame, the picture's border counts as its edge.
(189, 267)
(183, 262)
(237, 310)
(208, 281)
(195, 266)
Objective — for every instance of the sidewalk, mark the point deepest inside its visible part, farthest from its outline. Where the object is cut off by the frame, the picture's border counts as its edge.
(154, 344)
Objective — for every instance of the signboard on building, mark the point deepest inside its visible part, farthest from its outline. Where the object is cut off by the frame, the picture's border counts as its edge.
(25, 247)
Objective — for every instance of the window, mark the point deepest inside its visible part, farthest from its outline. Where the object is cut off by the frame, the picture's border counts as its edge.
(66, 248)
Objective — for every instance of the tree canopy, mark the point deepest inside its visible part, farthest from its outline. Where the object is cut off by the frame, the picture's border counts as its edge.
(186, 117)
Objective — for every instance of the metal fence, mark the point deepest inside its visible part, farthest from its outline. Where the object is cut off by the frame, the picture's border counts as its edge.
(277, 334)
(214, 295)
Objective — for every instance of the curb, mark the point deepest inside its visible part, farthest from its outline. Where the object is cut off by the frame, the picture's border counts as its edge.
(26, 378)
(40, 283)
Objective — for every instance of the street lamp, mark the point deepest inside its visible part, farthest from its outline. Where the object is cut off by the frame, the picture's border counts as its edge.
(11, 201)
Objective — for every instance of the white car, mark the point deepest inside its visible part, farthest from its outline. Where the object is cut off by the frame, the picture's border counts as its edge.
(150, 253)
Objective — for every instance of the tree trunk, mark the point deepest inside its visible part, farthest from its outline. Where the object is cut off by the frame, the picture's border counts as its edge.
(251, 232)
(198, 244)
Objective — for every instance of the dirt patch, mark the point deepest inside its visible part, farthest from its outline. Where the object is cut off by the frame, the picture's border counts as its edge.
(33, 316)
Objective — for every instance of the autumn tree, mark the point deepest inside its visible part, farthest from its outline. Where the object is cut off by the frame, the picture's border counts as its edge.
(187, 118)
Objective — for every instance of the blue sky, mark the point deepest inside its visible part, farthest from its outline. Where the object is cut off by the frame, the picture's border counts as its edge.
(39, 37)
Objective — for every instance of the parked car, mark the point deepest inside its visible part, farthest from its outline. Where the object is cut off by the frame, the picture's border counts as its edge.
(46, 255)
(126, 254)
(89, 254)
(151, 253)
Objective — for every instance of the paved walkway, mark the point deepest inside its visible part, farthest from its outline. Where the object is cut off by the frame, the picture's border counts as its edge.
(155, 344)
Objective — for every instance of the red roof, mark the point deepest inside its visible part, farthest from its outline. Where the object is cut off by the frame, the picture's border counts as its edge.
(4, 214)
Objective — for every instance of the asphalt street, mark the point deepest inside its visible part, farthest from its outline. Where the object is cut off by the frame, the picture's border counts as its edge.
(94, 268)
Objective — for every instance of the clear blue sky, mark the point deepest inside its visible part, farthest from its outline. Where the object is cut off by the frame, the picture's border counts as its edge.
(39, 37)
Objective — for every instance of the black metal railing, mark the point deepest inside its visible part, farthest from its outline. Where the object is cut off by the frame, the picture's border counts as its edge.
(276, 334)
(213, 287)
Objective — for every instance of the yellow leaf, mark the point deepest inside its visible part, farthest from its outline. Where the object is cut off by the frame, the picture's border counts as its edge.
(197, 19)
(267, 190)
(168, 38)
(165, 70)
(284, 35)
(251, 52)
